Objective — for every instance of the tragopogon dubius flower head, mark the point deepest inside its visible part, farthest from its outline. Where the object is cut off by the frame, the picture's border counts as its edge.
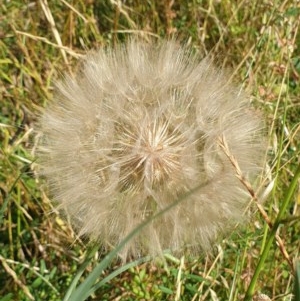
(138, 128)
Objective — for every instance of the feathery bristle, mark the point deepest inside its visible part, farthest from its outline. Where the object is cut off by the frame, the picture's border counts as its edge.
(138, 128)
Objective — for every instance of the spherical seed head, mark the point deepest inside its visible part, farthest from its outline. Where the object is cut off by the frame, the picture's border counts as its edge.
(139, 128)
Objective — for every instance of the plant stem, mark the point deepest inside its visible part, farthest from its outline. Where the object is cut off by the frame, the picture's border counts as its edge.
(264, 255)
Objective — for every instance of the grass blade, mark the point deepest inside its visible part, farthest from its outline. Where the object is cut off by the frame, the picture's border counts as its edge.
(84, 289)
(289, 193)
(297, 281)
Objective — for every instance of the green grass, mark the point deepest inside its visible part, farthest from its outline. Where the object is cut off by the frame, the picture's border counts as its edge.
(39, 252)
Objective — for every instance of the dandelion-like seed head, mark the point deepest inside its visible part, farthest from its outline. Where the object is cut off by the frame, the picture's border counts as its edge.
(137, 129)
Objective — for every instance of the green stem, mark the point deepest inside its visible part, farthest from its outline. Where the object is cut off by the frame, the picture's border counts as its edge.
(251, 289)
(83, 291)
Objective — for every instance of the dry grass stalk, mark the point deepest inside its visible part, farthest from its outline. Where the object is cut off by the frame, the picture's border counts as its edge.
(246, 183)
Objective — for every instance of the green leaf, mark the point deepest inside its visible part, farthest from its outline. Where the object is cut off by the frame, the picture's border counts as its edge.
(297, 281)
(165, 290)
(85, 289)
(7, 297)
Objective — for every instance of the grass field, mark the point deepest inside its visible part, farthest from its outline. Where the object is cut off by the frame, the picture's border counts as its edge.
(39, 40)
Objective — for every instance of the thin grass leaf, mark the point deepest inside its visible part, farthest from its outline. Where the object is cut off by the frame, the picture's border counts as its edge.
(7, 297)
(235, 275)
(84, 289)
(6, 199)
(288, 196)
(297, 281)
(118, 272)
(81, 269)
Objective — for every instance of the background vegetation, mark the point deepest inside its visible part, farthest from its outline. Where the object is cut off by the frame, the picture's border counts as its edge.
(259, 40)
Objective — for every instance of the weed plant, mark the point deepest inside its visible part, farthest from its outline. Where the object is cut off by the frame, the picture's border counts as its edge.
(40, 254)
